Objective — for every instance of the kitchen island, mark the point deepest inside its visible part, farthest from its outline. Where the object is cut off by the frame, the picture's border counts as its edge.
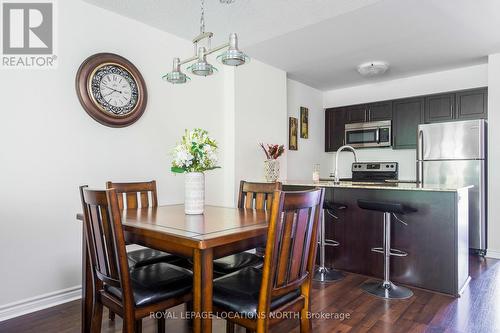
(435, 237)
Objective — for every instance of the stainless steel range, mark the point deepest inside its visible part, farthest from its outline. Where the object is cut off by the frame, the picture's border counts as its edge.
(375, 171)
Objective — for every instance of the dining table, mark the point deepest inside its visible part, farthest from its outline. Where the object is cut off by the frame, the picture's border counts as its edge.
(218, 232)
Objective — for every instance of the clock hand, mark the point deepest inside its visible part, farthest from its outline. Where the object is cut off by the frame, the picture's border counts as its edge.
(108, 94)
(105, 86)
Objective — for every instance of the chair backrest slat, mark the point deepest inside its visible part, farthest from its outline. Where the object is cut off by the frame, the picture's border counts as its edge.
(105, 239)
(137, 195)
(291, 246)
(257, 195)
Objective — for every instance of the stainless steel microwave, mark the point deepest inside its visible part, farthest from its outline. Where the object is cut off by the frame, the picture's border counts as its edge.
(371, 134)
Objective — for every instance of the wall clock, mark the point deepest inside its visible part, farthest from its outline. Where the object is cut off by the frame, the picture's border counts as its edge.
(111, 90)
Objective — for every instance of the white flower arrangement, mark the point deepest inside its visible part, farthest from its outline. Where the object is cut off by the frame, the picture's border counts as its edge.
(197, 152)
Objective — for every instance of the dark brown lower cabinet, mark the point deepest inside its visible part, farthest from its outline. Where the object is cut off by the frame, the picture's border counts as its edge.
(407, 115)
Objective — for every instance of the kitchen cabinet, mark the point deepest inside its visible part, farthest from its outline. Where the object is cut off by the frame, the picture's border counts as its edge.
(439, 108)
(472, 104)
(380, 111)
(369, 112)
(407, 115)
(335, 119)
(356, 114)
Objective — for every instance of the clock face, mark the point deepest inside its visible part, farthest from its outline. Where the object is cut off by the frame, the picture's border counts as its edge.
(114, 90)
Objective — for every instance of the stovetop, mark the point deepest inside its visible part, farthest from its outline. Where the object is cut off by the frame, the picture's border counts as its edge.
(374, 172)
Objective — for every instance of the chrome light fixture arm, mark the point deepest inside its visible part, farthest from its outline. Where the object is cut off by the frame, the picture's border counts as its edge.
(207, 52)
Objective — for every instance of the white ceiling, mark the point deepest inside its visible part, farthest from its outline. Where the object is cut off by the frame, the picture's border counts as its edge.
(320, 42)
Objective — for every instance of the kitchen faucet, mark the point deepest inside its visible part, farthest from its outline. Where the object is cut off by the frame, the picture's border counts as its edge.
(336, 179)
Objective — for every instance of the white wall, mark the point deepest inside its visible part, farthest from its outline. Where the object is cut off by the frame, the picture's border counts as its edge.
(49, 145)
(456, 79)
(260, 116)
(311, 150)
(493, 155)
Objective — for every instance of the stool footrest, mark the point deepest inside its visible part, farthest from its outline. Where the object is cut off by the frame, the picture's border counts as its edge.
(393, 252)
(331, 242)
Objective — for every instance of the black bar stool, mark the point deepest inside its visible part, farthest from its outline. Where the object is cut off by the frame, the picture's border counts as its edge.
(387, 289)
(322, 273)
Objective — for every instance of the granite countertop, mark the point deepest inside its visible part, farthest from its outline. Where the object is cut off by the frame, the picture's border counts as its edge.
(406, 186)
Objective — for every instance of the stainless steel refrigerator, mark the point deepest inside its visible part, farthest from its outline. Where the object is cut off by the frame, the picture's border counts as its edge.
(454, 154)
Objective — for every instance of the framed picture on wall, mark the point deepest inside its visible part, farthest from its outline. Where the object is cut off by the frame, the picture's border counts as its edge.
(293, 129)
(304, 122)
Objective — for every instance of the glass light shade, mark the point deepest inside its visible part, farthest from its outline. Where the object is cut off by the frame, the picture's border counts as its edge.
(233, 58)
(202, 68)
(176, 77)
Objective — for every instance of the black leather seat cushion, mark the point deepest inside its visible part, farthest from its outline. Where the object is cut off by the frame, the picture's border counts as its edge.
(382, 206)
(156, 282)
(236, 262)
(239, 293)
(143, 257)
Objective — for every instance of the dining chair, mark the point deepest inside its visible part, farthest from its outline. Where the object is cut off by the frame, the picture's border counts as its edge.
(139, 195)
(132, 293)
(255, 297)
(256, 196)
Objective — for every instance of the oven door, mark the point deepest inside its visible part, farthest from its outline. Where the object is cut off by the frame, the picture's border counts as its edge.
(363, 137)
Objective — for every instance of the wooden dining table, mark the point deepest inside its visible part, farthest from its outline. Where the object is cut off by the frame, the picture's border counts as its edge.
(219, 232)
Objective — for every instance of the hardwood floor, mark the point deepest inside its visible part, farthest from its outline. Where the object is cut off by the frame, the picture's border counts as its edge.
(478, 310)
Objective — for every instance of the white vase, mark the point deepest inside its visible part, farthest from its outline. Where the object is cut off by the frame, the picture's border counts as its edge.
(194, 196)
(271, 170)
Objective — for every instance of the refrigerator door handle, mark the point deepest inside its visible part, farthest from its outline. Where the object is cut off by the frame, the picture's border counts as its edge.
(420, 157)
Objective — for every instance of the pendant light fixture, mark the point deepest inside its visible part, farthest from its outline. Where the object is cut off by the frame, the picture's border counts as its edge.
(232, 56)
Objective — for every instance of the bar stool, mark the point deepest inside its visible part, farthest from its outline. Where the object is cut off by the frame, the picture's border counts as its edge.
(322, 273)
(387, 289)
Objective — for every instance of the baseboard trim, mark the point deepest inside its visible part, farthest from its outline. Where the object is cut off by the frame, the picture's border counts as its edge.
(493, 254)
(41, 302)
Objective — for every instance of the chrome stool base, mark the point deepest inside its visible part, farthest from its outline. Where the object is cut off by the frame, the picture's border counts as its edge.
(323, 274)
(386, 290)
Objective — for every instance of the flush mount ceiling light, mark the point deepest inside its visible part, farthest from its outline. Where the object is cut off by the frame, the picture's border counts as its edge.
(373, 68)
(230, 57)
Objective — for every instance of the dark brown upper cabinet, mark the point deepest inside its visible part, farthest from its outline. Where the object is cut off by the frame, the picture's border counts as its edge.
(380, 111)
(472, 104)
(439, 108)
(357, 113)
(369, 112)
(407, 115)
(335, 120)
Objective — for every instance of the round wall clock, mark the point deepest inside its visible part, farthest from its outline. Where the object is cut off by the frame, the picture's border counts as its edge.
(111, 90)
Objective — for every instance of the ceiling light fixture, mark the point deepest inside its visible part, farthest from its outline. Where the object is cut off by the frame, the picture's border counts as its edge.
(230, 57)
(373, 68)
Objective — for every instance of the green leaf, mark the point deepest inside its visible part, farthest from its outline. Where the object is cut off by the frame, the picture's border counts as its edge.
(212, 168)
(177, 170)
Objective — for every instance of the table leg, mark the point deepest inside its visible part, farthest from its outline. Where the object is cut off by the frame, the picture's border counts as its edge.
(87, 286)
(202, 290)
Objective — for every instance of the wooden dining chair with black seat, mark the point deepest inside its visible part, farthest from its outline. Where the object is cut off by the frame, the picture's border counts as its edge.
(255, 297)
(138, 195)
(132, 293)
(252, 196)
(135, 195)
